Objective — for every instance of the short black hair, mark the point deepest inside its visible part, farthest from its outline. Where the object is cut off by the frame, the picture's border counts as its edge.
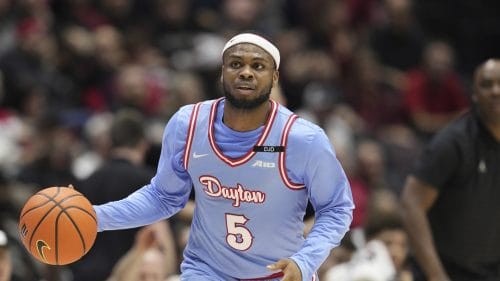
(127, 129)
(384, 221)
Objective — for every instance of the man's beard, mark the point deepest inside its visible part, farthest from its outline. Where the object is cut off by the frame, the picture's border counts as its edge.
(247, 103)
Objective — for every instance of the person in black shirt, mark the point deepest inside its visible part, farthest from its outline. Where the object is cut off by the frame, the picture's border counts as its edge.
(118, 177)
(451, 199)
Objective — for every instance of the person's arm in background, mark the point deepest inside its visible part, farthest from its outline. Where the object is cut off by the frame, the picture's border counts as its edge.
(433, 169)
(128, 268)
(417, 198)
(166, 244)
(168, 191)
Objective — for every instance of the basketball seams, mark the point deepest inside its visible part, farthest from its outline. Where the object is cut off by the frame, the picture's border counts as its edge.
(63, 211)
(56, 238)
(83, 210)
(43, 204)
(39, 223)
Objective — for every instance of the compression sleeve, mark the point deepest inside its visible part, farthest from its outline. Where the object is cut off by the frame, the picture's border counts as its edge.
(165, 195)
(330, 195)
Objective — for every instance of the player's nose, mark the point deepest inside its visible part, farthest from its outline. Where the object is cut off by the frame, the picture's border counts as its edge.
(246, 72)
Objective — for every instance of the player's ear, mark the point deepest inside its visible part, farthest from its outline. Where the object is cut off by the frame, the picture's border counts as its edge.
(222, 75)
(276, 76)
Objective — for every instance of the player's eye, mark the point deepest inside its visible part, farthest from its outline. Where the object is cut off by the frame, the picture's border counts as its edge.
(235, 64)
(258, 66)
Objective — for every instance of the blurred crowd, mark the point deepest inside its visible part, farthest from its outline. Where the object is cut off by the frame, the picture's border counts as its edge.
(380, 76)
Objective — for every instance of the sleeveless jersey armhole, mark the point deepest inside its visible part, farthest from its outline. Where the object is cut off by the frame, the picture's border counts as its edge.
(190, 134)
(282, 157)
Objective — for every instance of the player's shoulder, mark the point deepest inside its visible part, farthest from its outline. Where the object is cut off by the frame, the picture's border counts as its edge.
(302, 130)
(185, 112)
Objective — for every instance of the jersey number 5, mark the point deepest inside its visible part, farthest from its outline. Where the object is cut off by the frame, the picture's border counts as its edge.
(238, 236)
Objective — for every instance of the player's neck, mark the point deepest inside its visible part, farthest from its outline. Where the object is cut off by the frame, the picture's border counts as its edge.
(245, 119)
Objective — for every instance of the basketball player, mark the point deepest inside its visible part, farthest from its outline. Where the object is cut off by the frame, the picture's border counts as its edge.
(254, 166)
(451, 198)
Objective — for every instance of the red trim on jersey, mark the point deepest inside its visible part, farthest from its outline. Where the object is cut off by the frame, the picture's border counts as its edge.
(275, 275)
(233, 162)
(190, 135)
(282, 165)
(272, 276)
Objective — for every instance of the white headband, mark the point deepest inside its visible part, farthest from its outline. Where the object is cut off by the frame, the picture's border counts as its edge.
(256, 40)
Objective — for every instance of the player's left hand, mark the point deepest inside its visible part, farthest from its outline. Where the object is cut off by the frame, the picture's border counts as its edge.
(291, 271)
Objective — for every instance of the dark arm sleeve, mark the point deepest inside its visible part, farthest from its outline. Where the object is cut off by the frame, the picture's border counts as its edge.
(438, 161)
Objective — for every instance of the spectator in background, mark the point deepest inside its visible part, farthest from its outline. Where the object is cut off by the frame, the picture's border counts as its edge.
(372, 164)
(130, 89)
(7, 26)
(185, 88)
(96, 147)
(240, 15)
(110, 56)
(372, 96)
(382, 258)
(152, 257)
(344, 140)
(450, 199)
(49, 153)
(339, 255)
(389, 229)
(434, 94)
(379, 102)
(115, 179)
(471, 26)
(21, 64)
(310, 77)
(398, 41)
(77, 60)
(15, 263)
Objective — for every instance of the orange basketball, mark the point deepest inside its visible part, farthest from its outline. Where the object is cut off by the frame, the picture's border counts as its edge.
(58, 225)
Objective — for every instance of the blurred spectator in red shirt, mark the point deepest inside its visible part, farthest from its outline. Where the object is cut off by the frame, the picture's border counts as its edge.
(434, 94)
(371, 94)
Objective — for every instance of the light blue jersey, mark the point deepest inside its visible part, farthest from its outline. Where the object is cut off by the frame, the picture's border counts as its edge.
(252, 190)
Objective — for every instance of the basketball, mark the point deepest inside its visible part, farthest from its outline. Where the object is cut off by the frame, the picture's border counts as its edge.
(58, 225)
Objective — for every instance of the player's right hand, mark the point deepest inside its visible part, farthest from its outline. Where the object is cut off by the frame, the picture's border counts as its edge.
(290, 269)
